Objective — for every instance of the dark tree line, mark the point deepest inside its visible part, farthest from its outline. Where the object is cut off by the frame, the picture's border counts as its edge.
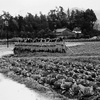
(41, 26)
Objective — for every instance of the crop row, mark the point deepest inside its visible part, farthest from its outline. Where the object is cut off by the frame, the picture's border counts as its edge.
(51, 48)
(71, 78)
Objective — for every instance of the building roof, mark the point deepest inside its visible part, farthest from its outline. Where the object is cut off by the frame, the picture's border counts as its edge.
(61, 30)
(76, 29)
(64, 32)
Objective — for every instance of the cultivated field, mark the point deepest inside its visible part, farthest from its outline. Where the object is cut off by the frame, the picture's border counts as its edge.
(71, 49)
(85, 49)
(74, 76)
(62, 78)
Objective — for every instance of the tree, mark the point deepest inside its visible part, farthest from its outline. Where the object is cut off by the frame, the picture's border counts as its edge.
(21, 24)
(13, 24)
(52, 18)
(29, 23)
(83, 19)
(89, 21)
(57, 18)
(44, 22)
(71, 21)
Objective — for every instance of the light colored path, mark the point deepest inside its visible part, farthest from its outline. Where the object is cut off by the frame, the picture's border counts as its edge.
(71, 44)
(4, 50)
(11, 90)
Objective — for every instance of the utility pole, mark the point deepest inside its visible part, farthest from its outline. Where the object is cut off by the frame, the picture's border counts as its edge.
(6, 25)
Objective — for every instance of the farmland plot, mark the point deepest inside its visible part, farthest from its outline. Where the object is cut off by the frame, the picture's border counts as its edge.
(70, 78)
(85, 49)
(12, 90)
(63, 77)
(69, 49)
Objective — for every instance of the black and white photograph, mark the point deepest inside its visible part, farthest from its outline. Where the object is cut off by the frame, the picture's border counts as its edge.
(49, 49)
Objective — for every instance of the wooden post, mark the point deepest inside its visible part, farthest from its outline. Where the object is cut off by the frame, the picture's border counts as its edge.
(7, 40)
(6, 25)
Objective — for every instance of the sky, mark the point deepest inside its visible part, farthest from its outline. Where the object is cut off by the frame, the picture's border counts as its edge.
(15, 7)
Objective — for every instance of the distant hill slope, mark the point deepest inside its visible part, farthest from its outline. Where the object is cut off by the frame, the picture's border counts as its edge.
(97, 25)
(97, 12)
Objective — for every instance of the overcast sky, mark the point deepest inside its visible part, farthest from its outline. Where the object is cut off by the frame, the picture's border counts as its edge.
(15, 7)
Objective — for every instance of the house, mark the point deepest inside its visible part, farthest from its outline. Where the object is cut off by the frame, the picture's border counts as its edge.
(78, 32)
(64, 33)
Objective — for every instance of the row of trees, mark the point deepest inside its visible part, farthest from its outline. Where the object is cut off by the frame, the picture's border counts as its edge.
(42, 25)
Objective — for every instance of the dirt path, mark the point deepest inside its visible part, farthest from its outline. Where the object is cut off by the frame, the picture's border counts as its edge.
(11, 90)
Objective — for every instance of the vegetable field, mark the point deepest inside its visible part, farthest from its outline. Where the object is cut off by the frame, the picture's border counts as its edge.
(72, 78)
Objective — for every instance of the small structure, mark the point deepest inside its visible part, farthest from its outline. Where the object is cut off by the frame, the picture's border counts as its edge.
(78, 32)
(64, 33)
